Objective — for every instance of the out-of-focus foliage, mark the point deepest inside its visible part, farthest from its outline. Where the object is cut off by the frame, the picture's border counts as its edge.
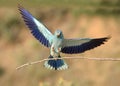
(11, 29)
(2, 71)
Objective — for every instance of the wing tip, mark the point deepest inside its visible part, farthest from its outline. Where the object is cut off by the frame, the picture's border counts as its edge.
(20, 7)
(109, 37)
(105, 39)
(101, 41)
(21, 10)
(26, 15)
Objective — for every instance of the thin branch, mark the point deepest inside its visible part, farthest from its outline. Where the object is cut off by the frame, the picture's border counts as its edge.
(85, 58)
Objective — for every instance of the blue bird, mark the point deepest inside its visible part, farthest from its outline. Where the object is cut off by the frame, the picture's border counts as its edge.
(56, 42)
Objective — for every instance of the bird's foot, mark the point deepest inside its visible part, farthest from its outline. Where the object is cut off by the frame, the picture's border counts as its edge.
(59, 49)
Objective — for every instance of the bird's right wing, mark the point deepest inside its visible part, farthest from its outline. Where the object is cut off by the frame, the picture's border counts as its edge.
(39, 31)
(73, 46)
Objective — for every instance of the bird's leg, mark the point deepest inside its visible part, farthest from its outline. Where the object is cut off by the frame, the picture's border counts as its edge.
(59, 49)
(52, 48)
(53, 52)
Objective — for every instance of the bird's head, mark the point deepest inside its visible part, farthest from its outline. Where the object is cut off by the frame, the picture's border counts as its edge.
(58, 33)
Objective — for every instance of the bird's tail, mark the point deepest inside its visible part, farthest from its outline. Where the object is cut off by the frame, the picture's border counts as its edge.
(56, 64)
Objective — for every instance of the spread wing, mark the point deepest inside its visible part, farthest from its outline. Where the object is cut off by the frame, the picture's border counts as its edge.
(39, 31)
(73, 46)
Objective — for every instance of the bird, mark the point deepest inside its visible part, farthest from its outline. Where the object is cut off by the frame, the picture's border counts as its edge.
(56, 41)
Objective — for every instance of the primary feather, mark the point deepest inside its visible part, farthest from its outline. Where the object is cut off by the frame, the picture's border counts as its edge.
(39, 31)
(74, 46)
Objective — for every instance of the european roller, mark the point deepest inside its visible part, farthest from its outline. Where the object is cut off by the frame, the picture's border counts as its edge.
(56, 42)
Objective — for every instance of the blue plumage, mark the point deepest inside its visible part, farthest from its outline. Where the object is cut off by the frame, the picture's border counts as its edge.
(83, 47)
(57, 42)
(28, 18)
(57, 64)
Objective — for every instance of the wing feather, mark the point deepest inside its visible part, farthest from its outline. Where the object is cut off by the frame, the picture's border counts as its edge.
(39, 31)
(74, 46)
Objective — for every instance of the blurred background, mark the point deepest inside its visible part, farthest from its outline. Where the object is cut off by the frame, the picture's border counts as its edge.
(76, 18)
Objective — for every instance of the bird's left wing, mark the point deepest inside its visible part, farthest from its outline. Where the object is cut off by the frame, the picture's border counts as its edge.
(39, 31)
(73, 46)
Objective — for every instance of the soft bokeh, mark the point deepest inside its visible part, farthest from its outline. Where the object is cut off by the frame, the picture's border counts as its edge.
(76, 18)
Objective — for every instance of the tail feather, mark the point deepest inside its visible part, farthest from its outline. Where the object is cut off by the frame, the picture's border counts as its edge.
(57, 64)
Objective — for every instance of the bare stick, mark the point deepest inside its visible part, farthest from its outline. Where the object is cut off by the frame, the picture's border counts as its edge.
(85, 58)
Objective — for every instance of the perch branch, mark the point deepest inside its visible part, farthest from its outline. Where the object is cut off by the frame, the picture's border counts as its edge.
(85, 58)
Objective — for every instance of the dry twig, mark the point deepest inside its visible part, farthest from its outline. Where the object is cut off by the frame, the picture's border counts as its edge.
(85, 58)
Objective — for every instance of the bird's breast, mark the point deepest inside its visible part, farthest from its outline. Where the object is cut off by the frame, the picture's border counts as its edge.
(56, 47)
(57, 42)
